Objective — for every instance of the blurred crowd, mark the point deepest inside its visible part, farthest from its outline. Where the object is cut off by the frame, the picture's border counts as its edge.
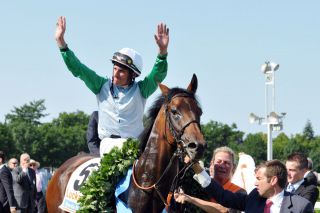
(22, 185)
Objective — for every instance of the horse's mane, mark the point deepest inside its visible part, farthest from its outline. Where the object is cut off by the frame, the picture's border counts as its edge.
(154, 110)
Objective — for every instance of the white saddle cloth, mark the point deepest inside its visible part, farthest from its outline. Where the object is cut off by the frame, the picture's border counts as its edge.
(108, 143)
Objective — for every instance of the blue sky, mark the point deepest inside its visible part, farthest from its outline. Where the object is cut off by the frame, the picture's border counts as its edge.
(223, 42)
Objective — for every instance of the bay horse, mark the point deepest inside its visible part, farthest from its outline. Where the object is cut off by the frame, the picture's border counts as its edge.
(172, 131)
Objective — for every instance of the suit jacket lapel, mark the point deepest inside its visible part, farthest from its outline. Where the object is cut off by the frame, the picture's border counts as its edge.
(286, 202)
(30, 177)
(300, 188)
(26, 178)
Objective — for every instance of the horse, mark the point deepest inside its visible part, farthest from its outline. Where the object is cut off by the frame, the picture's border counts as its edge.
(172, 131)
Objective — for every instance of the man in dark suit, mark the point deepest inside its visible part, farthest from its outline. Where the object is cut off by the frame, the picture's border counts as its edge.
(24, 185)
(310, 175)
(7, 201)
(297, 166)
(268, 196)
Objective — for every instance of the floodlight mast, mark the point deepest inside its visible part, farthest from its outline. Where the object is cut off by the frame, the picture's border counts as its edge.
(271, 119)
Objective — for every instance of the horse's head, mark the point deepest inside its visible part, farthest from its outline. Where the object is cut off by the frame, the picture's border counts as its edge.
(183, 119)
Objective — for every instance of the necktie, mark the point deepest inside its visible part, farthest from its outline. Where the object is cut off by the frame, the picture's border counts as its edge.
(268, 206)
(290, 188)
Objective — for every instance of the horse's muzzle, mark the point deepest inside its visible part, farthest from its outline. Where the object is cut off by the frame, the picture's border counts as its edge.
(195, 149)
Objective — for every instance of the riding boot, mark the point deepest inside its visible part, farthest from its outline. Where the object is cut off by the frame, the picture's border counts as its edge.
(93, 139)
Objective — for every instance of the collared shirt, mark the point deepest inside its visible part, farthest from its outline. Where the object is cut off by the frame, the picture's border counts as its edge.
(277, 202)
(2, 165)
(295, 185)
(38, 181)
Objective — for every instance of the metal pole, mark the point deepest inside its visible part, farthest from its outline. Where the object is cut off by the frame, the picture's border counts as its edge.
(269, 145)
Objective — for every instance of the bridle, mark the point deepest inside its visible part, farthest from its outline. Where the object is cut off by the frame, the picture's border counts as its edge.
(177, 134)
(180, 151)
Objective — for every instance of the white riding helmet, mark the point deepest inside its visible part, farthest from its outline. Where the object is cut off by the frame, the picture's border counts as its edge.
(129, 58)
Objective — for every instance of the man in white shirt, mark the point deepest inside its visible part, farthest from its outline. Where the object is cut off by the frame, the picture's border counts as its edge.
(268, 196)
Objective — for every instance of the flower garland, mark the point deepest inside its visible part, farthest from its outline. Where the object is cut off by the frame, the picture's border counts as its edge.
(98, 190)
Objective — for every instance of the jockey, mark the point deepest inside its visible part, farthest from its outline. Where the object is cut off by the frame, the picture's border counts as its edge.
(121, 99)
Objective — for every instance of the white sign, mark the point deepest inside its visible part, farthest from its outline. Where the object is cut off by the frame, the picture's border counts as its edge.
(79, 176)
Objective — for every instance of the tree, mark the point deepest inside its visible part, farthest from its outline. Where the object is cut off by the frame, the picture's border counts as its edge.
(7, 144)
(314, 153)
(279, 144)
(308, 132)
(49, 143)
(217, 134)
(62, 139)
(256, 146)
(29, 113)
(23, 123)
(295, 144)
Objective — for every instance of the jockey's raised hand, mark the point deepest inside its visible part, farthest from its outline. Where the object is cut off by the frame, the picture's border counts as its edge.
(60, 30)
(162, 38)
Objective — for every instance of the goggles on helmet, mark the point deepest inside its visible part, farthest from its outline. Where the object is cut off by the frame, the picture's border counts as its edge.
(126, 61)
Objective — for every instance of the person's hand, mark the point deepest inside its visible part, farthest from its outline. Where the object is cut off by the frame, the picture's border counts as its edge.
(60, 30)
(180, 196)
(187, 159)
(162, 38)
(25, 165)
(13, 210)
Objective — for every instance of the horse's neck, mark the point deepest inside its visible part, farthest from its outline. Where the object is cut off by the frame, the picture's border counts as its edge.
(158, 151)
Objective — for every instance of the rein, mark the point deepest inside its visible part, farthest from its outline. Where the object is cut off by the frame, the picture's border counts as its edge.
(155, 185)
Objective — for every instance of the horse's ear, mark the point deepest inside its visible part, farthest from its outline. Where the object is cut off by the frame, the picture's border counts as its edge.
(193, 84)
(164, 89)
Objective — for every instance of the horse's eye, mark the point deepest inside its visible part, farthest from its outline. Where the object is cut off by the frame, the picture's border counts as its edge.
(175, 113)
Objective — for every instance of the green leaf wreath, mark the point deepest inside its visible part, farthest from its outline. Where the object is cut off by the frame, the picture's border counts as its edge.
(98, 190)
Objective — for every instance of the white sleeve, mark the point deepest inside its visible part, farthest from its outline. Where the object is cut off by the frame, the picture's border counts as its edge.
(203, 179)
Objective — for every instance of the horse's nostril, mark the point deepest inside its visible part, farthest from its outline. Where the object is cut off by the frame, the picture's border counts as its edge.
(192, 145)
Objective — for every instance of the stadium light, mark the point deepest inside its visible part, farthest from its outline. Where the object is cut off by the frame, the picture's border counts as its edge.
(273, 121)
